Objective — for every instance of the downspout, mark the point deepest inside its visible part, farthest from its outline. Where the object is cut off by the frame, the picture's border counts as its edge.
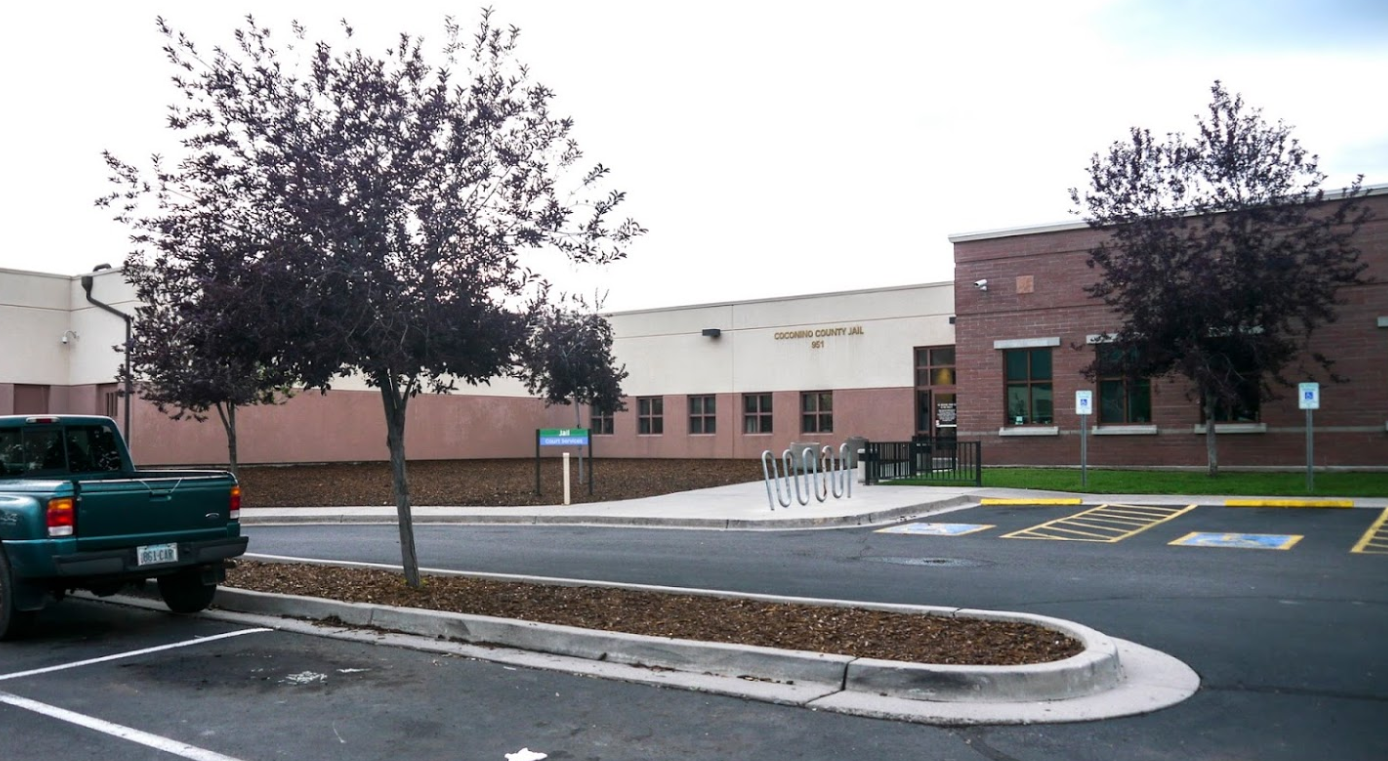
(129, 384)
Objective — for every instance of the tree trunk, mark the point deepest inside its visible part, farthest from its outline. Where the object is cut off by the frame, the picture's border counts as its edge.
(1211, 448)
(395, 398)
(227, 412)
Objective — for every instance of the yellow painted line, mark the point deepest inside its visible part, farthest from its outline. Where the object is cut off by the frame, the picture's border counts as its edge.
(1375, 540)
(1060, 501)
(1081, 527)
(1289, 503)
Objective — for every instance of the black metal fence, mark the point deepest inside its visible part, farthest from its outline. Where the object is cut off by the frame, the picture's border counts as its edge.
(944, 460)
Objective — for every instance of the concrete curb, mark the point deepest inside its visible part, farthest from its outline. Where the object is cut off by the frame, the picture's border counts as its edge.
(1095, 670)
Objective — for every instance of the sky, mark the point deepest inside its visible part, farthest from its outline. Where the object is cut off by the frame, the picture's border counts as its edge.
(771, 148)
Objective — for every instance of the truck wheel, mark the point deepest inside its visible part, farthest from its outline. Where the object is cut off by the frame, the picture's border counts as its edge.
(13, 621)
(185, 593)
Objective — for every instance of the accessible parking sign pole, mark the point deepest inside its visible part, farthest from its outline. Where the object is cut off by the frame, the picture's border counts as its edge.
(1084, 404)
(1309, 398)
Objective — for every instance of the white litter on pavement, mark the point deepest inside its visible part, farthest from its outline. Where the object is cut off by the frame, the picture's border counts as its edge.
(526, 754)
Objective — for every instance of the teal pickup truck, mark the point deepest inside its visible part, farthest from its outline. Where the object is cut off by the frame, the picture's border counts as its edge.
(76, 514)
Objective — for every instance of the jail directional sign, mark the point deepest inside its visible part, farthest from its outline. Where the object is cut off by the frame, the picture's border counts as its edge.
(1240, 541)
(935, 529)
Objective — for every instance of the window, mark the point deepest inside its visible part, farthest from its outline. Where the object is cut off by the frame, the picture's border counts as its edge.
(817, 412)
(1245, 410)
(1029, 396)
(702, 415)
(935, 366)
(1123, 400)
(756, 413)
(1238, 365)
(650, 415)
(600, 423)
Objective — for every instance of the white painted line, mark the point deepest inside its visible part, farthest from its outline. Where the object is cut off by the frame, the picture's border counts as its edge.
(116, 730)
(131, 654)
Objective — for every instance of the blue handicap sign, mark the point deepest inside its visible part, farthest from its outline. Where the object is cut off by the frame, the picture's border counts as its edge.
(1240, 541)
(935, 529)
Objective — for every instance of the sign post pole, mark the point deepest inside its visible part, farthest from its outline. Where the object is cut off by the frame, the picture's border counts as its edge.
(1084, 404)
(1309, 399)
(563, 437)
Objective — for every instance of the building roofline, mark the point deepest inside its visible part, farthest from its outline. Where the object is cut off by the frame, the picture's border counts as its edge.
(1055, 227)
(796, 297)
(57, 275)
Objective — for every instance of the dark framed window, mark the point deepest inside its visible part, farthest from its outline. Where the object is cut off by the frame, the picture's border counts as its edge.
(1122, 400)
(1028, 395)
(600, 423)
(935, 366)
(817, 412)
(650, 415)
(756, 413)
(1247, 409)
(703, 417)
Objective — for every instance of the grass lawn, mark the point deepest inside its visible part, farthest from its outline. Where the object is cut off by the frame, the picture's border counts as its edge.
(1337, 484)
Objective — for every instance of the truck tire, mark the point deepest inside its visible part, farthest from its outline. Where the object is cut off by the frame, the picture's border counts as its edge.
(184, 592)
(14, 623)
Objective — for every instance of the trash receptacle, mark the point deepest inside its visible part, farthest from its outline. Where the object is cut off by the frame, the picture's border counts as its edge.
(855, 444)
(797, 454)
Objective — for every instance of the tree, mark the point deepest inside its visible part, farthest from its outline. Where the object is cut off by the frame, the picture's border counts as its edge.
(567, 358)
(1223, 256)
(199, 339)
(392, 198)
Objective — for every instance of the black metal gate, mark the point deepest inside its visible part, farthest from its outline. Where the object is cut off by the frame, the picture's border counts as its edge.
(938, 460)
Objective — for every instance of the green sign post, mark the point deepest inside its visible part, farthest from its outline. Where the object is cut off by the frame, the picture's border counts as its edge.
(564, 437)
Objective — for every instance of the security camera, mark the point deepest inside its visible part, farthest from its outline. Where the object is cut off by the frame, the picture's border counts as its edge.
(65, 338)
(982, 285)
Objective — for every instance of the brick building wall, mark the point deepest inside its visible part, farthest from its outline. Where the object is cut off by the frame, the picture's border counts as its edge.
(1035, 294)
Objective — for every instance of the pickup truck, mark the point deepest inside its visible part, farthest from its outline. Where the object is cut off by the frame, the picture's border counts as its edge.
(76, 514)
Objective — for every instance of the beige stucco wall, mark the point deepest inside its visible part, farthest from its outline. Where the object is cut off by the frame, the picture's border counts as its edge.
(864, 356)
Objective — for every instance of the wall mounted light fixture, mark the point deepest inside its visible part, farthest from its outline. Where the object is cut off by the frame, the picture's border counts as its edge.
(712, 332)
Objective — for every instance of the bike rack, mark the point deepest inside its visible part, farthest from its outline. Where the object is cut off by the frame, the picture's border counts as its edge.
(821, 474)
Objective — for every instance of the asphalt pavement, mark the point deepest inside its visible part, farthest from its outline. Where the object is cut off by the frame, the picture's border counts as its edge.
(1148, 680)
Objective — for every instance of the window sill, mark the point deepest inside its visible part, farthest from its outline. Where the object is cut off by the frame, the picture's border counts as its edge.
(1124, 430)
(1034, 430)
(1233, 428)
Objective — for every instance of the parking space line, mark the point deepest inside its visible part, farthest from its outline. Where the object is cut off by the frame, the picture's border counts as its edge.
(131, 654)
(116, 730)
(1105, 523)
(1375, 540)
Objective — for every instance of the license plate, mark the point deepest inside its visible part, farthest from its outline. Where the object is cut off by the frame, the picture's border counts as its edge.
(151, 554)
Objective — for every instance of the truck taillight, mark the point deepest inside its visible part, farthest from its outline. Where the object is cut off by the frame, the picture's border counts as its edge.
(235, 503)
(62, 519)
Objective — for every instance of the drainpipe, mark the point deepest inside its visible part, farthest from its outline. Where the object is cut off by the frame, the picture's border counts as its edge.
(129, 385)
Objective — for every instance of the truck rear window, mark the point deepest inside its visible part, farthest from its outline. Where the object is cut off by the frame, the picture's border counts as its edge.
(36, 451)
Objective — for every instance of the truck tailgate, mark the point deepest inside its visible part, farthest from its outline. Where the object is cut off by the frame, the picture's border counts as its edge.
(122, 512)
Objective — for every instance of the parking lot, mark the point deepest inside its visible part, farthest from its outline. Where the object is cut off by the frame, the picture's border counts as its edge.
(1285, 636)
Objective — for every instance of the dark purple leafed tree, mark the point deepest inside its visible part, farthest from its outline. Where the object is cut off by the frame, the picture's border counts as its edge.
(567, 358)
(388, 201)
(200, 340)
(1223, 257)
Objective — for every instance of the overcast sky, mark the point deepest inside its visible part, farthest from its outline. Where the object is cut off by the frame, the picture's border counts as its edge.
(772, 148)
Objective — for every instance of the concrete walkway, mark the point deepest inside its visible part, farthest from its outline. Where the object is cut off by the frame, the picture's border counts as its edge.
(739, 506)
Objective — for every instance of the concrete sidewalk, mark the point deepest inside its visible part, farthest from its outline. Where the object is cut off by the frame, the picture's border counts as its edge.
(745, 507)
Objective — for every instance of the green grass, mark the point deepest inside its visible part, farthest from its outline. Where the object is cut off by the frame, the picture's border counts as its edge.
(1336, 484)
